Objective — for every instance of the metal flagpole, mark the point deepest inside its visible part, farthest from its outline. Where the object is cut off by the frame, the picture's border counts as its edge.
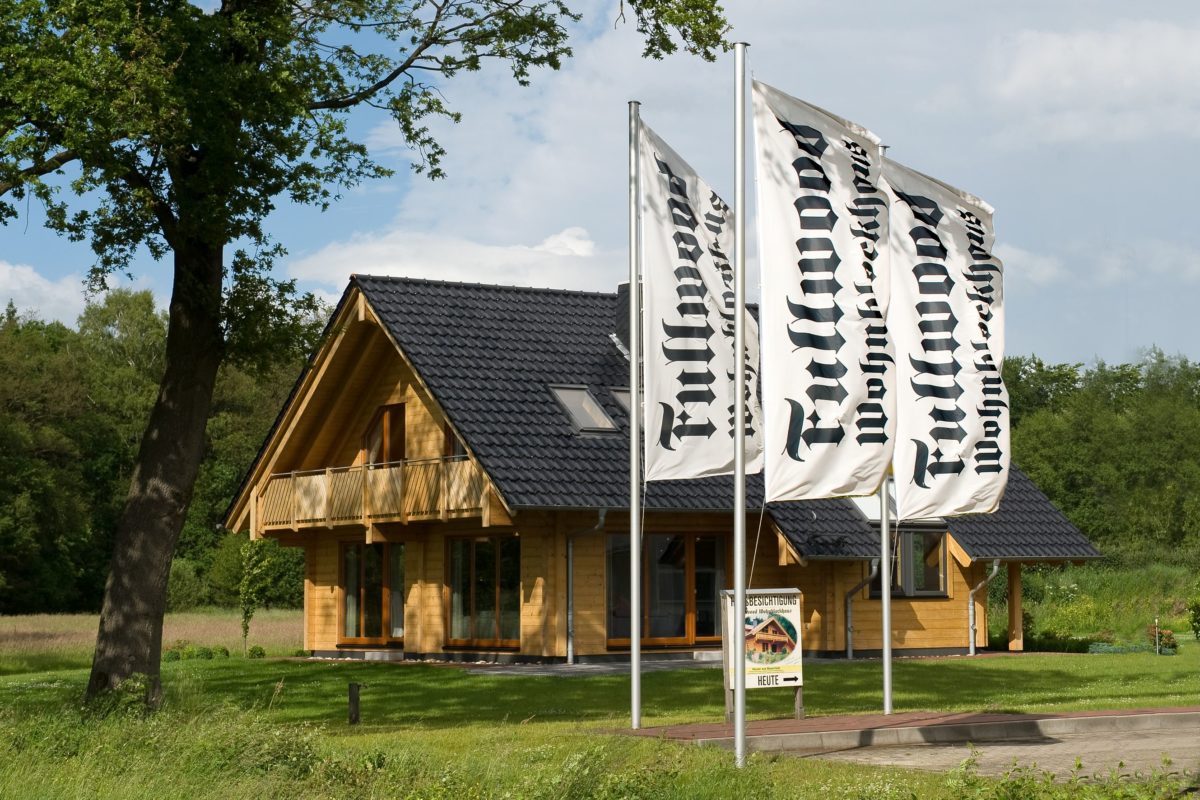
(739, 411)
(885, 564)
(635, 420)
(885, 593)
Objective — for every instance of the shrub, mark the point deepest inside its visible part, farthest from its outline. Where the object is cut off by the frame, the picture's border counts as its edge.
(203, 653)
(220, 651)
(1162, 639)
(256, 651)
(185, 590)
(1194, 614)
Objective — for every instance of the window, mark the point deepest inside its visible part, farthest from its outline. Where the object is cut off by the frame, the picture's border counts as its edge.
(484, 579)
(682, 577)
(372, 593)
(384, 441)
(583, 408)
(452, 446)
(622, 397)
(918, 565)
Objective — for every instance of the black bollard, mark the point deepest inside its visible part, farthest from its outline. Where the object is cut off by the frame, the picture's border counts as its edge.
(354, 687)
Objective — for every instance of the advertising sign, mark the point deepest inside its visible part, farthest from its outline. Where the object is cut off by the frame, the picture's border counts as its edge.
(768, 638)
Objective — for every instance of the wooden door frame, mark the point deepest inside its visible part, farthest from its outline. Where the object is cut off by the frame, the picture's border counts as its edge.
(385, 597)
(689, 639)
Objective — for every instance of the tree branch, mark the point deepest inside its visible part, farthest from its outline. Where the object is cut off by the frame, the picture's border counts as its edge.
(337, 103)
(162, 210)
(57, 161)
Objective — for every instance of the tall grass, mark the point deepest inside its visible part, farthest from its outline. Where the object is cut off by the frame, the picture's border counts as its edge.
(37, 642)
(1095, 599)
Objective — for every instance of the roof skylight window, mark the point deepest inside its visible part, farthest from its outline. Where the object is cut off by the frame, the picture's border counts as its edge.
(622, 397)
(583, 408)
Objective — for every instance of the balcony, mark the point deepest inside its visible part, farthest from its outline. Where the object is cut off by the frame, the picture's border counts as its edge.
(401, 491)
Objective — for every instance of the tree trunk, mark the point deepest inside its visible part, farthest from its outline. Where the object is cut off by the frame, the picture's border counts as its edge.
(135, 596)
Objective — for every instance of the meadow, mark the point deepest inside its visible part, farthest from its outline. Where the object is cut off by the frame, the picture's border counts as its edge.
(277, 727)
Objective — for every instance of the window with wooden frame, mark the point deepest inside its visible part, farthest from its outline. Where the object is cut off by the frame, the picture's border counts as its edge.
(682, 579)
(483, 591)
(384, 440)
(918, 564)
(452, 446)
(371, 602)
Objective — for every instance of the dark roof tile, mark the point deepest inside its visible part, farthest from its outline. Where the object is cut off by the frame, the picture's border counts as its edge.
(489, 354)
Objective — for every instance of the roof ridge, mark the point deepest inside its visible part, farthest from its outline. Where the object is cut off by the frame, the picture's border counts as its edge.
(356, 277)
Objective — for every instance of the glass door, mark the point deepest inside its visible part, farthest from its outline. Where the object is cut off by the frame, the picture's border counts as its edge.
(682, 575)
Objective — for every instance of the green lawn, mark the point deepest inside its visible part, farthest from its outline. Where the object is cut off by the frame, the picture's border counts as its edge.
(238, 728)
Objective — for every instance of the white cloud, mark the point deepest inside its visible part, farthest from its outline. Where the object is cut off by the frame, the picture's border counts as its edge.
(1024, 267)
(1173, 261)
(61, 299)
(567, 259)
(1131, 80)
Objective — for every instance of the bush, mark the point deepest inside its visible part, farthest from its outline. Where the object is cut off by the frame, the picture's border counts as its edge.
(225, 572)
(256, 651)
(1194, 614)
(185, 590)
(183, 650)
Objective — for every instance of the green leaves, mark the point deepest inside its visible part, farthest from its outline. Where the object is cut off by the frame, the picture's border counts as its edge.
(700, 26)
(1116, 447)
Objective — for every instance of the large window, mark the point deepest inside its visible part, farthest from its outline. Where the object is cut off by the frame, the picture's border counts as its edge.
(372, 593)
(682, 577)
(484, 579)
(918, 565)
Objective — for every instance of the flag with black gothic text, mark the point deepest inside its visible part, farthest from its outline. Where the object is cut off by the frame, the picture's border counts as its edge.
(828, 365)
(947, 318)
(688, 315)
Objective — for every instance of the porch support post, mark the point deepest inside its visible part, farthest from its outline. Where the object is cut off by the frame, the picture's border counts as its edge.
(1016, 635)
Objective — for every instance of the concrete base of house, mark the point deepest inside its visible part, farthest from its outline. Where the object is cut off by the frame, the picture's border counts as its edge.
(707, 655)
(907, 652)
(476, 657)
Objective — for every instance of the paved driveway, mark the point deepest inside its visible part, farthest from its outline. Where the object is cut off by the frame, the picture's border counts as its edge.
(1099, 751)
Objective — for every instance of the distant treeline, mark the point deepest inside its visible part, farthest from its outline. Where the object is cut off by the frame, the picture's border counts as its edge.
(73, 406)
(1117, 448)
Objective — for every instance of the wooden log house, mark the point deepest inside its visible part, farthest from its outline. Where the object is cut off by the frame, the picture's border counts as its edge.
(454, 463)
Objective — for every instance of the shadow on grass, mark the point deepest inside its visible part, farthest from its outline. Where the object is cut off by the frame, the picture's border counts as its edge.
(426, 696)
(423, 696)
(24, 663)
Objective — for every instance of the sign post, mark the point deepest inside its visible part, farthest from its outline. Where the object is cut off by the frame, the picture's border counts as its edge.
(767, 640)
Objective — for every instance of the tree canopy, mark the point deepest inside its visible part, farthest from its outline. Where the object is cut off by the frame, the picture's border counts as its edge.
(1117, 448)
(182, 127)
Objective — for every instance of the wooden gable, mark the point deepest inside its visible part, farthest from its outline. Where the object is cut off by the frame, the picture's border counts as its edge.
(321, 436)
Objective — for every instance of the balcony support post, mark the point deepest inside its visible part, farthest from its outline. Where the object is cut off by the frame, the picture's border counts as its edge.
(365, 494)
(328, 498)
(444, 490)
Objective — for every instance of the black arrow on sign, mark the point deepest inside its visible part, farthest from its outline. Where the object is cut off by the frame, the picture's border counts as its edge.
(792, 679)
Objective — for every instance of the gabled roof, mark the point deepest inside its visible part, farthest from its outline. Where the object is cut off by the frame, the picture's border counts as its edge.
(489, 355)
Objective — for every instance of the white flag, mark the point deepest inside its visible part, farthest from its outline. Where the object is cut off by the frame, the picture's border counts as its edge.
(688, 323)
(947, 317)
(828, 397)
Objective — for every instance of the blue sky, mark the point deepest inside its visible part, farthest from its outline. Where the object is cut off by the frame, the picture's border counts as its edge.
(1078, 121)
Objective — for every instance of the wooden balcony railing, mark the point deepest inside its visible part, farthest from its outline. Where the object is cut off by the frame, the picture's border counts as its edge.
(402, 491)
